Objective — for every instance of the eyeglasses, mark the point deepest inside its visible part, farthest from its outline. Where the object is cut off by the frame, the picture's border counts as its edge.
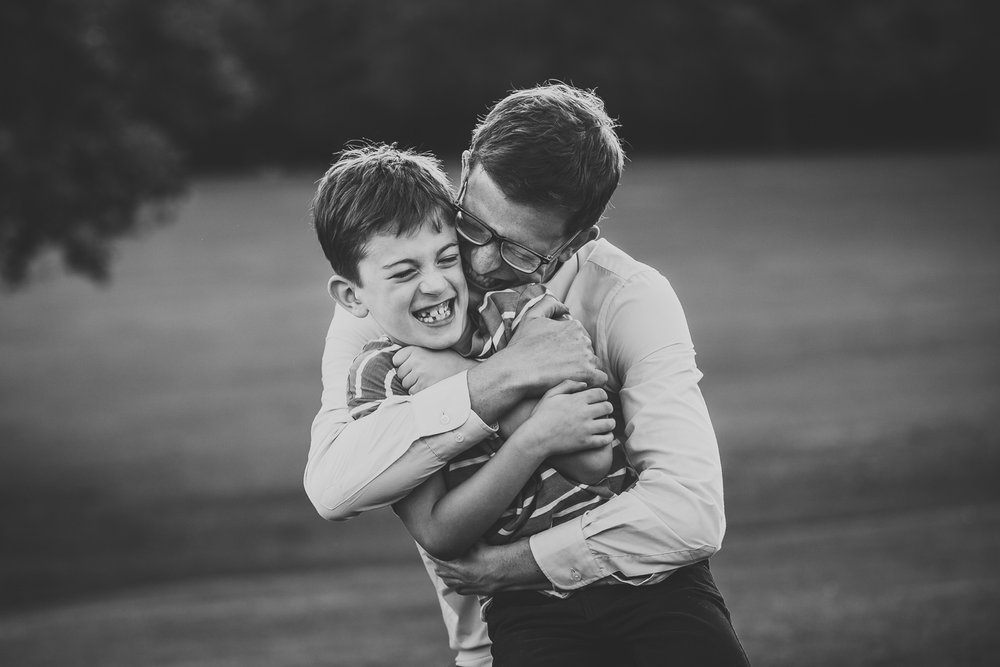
(517, 256)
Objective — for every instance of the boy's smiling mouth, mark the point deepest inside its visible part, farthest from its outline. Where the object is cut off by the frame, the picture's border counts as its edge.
(435, 314)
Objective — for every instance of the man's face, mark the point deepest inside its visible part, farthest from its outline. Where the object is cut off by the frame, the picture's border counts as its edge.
(414, 288)
(540, 229)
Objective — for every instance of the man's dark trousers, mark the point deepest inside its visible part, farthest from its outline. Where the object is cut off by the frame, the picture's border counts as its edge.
(679, 622)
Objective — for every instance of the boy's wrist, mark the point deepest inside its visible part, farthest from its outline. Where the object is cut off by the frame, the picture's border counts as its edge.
(529, 445)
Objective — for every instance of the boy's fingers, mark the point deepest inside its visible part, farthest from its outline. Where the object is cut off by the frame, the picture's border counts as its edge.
(406, 380)
(603, 408)
(401, 356)
(605, 425)
(565, 387)
(594, 395)
(604, 439)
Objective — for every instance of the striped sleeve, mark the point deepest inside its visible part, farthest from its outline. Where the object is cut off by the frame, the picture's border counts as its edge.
(550, 499)
(498, 315)
(372, 378)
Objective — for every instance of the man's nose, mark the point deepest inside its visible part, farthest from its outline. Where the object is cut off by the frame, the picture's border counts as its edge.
(485, 259)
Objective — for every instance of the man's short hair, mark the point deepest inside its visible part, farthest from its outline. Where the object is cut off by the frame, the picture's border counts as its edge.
(375, 189)
(552, 145)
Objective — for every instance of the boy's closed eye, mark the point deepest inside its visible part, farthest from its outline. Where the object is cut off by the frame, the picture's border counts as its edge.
(403, 275)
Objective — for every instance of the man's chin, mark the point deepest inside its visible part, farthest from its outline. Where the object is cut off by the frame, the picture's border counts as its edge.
(485, 284)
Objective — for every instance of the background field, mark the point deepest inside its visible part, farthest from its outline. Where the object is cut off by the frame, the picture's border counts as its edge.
(847, 316)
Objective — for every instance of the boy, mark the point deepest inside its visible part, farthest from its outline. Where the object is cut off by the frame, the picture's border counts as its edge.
(385, 220)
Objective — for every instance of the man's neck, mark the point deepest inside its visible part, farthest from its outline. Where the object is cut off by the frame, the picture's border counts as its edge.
(560, 281)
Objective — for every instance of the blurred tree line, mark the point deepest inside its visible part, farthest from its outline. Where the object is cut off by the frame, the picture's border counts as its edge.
(109, 103)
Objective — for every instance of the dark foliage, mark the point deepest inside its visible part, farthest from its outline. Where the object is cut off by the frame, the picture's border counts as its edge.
(103, 99)
(109, 102)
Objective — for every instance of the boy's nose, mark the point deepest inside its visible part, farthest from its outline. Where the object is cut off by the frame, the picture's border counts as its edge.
(433, 283)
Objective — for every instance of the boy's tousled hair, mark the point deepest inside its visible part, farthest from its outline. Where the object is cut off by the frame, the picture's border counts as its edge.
(552, 145)
(374, 189)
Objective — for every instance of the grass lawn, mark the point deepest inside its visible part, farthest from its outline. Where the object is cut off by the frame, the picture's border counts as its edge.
(847, 316)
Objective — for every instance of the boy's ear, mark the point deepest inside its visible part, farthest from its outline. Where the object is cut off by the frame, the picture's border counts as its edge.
(345, 293)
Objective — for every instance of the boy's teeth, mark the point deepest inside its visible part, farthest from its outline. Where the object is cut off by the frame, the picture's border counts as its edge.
(435, 314)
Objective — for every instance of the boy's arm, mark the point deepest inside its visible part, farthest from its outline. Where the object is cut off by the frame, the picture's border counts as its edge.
(354, 466)
(446, 523)
(589, 466)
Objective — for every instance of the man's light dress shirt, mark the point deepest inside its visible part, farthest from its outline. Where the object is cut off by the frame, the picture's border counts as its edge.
(671, 517)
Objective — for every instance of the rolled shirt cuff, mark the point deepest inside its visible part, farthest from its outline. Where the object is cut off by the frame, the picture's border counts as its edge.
(563, 556)
(445, 407)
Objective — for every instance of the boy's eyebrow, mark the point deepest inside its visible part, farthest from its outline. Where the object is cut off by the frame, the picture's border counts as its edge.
(408, 260)
(398, 261)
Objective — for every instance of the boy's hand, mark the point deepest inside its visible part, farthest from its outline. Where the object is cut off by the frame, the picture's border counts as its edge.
(419, 368)
(569, 418)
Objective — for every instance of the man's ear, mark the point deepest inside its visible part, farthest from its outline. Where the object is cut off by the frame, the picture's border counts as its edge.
(345, 293)
(584, 238)
(466, 165)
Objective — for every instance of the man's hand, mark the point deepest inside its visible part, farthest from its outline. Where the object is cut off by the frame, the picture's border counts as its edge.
(544, 352)
(549, 308)
(419, 368)
(485, 570)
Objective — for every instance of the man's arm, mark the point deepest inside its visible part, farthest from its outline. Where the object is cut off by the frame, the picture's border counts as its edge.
(446, 522)
(372, 462)
(674, 515)
(354, 466)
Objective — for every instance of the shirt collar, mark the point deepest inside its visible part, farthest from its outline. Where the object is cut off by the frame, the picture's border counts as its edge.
(563, 278)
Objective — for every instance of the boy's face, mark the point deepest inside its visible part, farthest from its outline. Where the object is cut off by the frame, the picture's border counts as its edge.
(414, 288)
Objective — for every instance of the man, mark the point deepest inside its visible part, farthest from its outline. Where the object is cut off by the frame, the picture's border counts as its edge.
(537, 177)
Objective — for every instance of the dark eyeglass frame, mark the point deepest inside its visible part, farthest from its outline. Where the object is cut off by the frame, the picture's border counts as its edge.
(492, 236)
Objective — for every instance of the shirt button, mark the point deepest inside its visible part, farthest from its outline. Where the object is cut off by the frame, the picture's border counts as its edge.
(576, 575)
(445, 419)
(460, 437)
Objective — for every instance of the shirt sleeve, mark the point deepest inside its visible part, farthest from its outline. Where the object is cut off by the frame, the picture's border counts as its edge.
(496, 317)
(674, 514)
(371, 462)
(372, 379)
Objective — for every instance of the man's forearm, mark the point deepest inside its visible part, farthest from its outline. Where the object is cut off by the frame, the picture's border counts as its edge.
(495, 388)
(377, 460)
(347, 475)
(517, 569)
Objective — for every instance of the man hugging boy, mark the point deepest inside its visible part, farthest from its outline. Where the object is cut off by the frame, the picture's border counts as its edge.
(387, 223)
